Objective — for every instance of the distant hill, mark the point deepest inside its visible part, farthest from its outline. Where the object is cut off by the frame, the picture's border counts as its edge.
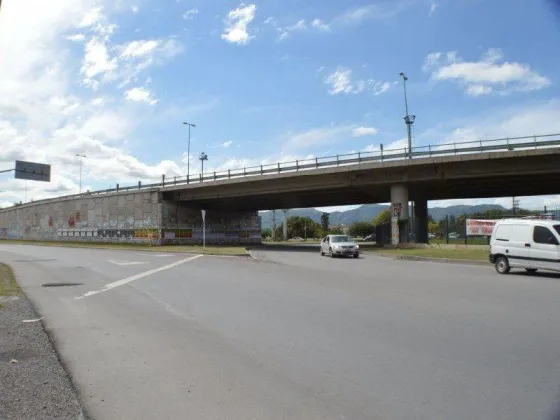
(368, 212)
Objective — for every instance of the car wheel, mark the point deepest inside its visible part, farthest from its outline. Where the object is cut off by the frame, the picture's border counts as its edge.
(356, 255)
(331, 254)
(531, 270)
(322, 253)
(502, 265)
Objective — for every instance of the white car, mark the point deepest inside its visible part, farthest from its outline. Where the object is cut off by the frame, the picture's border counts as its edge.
(530, 244)
(339, 245)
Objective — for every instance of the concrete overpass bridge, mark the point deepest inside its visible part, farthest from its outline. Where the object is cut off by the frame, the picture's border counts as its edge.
(521, 166)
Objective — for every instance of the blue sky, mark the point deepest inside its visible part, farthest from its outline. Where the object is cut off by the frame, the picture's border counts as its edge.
(263, 81)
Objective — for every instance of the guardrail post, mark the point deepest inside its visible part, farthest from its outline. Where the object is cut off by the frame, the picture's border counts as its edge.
(117, 187)
(297, 165)
(316, 162)
(535, 141)
(278, 167)
(139, 184)
(244, 172)
(188, 178)
(229, 173)
(337, 162)
(175, 180)
(507, 143)
(381, 150)
(200, 177)
(454, 148)
(430, 149)
(214, 175)
(261, 170)
(359, 157)
(163, 180)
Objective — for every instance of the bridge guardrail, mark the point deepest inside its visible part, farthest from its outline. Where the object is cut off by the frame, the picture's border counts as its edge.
(481, 146)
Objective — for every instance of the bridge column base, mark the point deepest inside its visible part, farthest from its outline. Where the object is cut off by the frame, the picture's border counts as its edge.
(285, 227)
(399, 213)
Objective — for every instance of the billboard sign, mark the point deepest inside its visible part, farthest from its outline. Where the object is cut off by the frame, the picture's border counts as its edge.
(478, 227)
(33, 171)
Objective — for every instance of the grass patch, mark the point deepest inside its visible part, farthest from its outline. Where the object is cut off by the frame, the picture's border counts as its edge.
(456, 254)
(8, 285)
(197, 249)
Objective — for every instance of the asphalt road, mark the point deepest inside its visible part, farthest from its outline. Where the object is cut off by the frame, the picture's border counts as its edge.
(297, 336)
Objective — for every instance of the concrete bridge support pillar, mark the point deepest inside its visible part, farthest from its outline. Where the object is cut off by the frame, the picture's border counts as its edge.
(399, 210)
(421, 221)
(285, 232)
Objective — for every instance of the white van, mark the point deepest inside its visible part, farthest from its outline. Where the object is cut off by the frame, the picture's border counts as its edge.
(531, 244)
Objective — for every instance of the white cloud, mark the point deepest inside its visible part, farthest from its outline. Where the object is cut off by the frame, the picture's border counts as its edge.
(342, 82)
(379, 10)
(285, 32)
(364, 131)
(319, 24)
(190, 14)
(226, 145)
(134, 9)
(490, 74)
(140, 94)
(433, 7)
(237, 22)
(76, 37)
(96, 62)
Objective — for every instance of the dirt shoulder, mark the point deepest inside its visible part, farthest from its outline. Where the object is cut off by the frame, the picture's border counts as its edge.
(33, 381)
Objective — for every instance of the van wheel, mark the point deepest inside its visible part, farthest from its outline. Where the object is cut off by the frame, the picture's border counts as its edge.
(502, 265)
(531, 270)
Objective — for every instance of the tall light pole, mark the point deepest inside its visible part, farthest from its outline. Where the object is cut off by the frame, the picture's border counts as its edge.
(203, 157)
(189, 149)
(408, 119)
(81, 164)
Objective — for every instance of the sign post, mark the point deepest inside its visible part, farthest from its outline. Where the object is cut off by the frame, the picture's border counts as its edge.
(203, 230)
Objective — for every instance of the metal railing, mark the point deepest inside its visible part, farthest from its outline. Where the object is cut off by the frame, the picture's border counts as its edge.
(448, 149)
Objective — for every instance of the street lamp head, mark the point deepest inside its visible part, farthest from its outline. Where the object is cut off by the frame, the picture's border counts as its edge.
(190, 124)
(203, 156)
(403, 76)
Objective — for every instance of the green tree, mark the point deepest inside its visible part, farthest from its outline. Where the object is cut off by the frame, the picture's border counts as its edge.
(266, 233)
(382, 218)
(304, 227)
(361, 229)
(325, 221)
(433, 227)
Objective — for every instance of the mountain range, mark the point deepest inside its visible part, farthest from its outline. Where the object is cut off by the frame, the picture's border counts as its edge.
(368, 212)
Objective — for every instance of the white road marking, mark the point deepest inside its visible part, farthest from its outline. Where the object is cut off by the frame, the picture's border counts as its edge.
(119, 262)
(157, 255)
(137, 277)
(32, 320)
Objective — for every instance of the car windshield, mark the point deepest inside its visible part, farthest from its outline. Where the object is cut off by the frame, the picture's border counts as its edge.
(557, 228)
(336, 239)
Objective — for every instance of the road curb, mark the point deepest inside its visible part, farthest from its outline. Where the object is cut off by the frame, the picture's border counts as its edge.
(437, 260)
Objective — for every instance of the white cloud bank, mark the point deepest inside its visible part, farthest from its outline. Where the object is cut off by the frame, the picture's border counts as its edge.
(489, 74)
(341, 81)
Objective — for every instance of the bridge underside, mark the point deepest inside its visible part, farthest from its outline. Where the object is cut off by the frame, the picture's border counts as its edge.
(433, 180)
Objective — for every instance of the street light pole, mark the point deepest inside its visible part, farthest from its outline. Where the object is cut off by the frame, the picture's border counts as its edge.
(189, 149)
(203, 157)
(81, 163)
(408, 119)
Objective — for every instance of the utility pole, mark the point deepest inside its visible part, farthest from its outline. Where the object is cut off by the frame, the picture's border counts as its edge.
(408, 119)
(81, 164)
(189, 149)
